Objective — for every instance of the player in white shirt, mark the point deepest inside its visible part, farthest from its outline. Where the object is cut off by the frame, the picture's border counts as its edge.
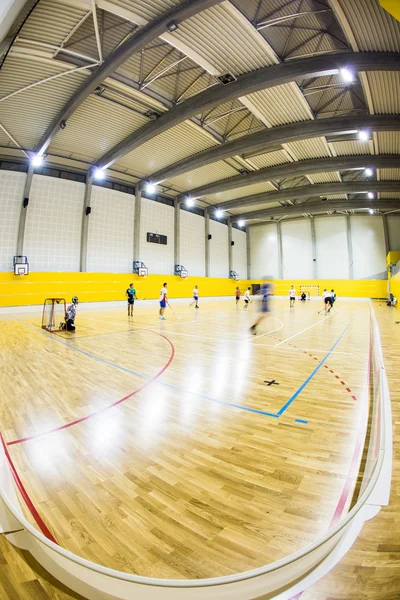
(163, 301)
(292, 296)
(246, 298)
(195, 297)
(327, 298)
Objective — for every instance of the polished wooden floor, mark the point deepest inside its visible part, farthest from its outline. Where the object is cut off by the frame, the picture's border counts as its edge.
(202, 468)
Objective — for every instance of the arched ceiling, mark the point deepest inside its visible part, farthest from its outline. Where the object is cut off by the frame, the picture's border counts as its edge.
(135, 82)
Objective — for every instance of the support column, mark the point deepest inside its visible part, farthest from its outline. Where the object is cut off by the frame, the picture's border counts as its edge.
(349, 247)
(24, 211)
(207, 233)
(85, 222)
(314, 249)
(136, 223)
(280, 257)
(177, 233)
(230, 249)
(386, 234)
(248, 265)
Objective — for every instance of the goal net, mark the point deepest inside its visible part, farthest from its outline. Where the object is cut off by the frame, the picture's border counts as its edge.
(53, 313)
(310, 290)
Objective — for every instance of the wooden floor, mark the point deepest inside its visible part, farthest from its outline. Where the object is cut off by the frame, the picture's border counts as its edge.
(200, 468)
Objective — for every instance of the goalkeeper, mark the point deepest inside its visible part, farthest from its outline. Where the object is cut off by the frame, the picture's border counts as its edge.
(71, 314)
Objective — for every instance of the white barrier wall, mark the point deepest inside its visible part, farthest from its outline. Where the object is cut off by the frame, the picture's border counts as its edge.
(369, 251)
(219, 256)
(11, 193)
(157, 218)
(239, 253)
(192, 246)
(53, 224)
(264, 251)
(297, 256)
(393, 223)
(331, 248)
(110, 235)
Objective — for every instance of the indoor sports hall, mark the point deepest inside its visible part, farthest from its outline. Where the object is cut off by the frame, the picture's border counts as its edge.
(199, 315)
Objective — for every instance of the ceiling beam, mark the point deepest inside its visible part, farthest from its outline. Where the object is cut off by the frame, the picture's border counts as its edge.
(269, 138)
(310, 191)
(318, 207)
(249, 83)
(135, 43)
(303, 167)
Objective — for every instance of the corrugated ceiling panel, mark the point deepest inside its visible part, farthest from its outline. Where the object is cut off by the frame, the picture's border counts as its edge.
(269, 159)
(5, 140)
(95, 127)
(246, 209)
(202, 176)
(28, 114)
(337, 197)
(147, 9)
(324, 177)
(249, 190)
(310, 148)
(226, 39)
(300, 43)
(351, 147)
(388, 142)
(51, 21)
(166, 149)
(389, 174)
(280, 105)
(390, 195)
(373, 27)
(385, 92)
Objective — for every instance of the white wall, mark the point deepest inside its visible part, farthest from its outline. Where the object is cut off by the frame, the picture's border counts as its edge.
(192, 246)
(239, 253)
(264, 251)
(331, 248)
(157, 218)
(219, 257)
(53, 225)
(369, 251)
(393, 223)
(110, 235)
(11, 194)
(297, 249)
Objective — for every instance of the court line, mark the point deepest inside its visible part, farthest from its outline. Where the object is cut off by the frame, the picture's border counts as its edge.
(306, 329)
(303, 385)
(31, 507)
(268, 332)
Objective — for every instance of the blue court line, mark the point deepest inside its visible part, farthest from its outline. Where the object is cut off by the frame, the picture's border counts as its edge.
(147, 377)
(307, 381)
(301, 421)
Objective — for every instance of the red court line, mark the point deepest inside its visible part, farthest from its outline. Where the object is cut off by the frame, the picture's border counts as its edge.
(101, 410)
(31, 507)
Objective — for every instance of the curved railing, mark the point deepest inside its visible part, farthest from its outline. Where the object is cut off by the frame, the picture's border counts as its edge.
(280, 580)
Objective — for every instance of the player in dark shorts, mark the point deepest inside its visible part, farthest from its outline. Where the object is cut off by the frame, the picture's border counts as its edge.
(264, 308)
(237, 295)
(131, 296)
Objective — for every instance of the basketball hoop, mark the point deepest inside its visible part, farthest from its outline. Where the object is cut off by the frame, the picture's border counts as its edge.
(21, 272)
(181, 271)
(21, 265)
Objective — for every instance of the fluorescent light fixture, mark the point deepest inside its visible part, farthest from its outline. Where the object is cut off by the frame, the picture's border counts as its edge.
(219, 213)
(189, 201)
(370, 195)
(368, 172)
(347, 75)
(37, 160)
(241, 223)
(98, 173)
(371, 211)
(150, 188)
(363, 135)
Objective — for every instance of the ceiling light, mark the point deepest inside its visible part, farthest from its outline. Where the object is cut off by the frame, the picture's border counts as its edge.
(363, 135)
(241, 223)
(189, 201)
(368, 172)
(37, 160)
(172, 26)
(370, 195)
(347, 75)
(371, 211)
(150, 188)
(219, 213)
(98, 173)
